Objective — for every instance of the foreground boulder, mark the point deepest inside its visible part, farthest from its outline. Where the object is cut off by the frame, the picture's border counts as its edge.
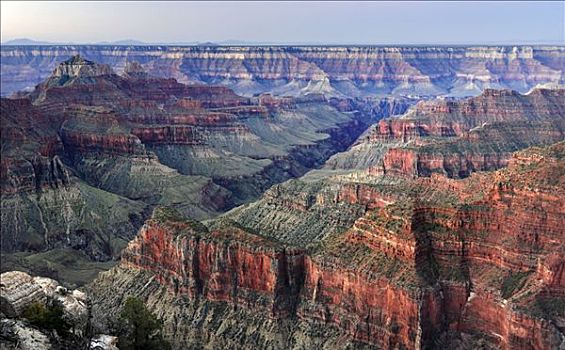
(24, 297)
(20, 290)
(17, 335)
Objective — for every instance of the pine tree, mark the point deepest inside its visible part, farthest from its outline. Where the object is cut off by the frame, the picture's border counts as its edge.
(139, 329)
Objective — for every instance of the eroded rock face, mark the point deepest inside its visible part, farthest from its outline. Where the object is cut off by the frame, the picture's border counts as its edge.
(77, 67)
(20, 290)
(89, 153)
(104, 342)
(338, 71)
(17, 335)
(432, 263)
(458, 137)
(248, 271)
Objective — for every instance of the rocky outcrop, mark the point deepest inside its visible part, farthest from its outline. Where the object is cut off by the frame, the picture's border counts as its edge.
(17, 335)
(77, 67)
(338, 71)
(457, 138)
(431, 264)
(20, 291)
(89, 153)
(104, 342)
(21, 294)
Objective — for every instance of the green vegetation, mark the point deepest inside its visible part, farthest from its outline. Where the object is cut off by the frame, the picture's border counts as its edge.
(513, 282)
(167, 214)
(474, 207)
(434, 227)
(428, 269)
(394, 225)
(139, 329)
(549, 306)
(73, 267)
(164, 214)
(47, 317)
(453, 270)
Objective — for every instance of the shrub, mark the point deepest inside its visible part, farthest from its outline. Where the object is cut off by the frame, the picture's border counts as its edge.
(513, 283)
(139, 329)
(47, 317)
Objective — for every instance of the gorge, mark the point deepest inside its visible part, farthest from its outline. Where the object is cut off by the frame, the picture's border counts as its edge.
(292, 197)
(353, 71)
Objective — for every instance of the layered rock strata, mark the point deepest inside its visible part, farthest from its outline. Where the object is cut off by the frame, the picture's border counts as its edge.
(89, 153)
(22, 294)
(20, 291)
(350, 71)
(425, 267)
(458, 137)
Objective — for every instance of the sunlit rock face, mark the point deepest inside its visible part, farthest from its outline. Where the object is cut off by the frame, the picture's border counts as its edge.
(438, 228)
(456, 138)
(20, 291)
(428, 263)
(77, 67)
(339, 71)
(22, 294)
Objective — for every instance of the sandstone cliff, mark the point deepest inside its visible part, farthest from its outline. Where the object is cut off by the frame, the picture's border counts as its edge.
(338, 71)
(425, 267)
(458, 137)
(89, 153)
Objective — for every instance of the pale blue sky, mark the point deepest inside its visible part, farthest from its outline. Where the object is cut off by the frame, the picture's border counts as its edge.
(288, 22)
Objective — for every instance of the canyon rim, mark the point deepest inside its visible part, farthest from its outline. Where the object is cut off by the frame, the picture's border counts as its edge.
(281, 194)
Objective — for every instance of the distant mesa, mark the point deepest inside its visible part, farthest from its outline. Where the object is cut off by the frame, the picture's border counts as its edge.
(364, 71)
(208, 43)
(125, 42)
(26, 41)
(31, 42)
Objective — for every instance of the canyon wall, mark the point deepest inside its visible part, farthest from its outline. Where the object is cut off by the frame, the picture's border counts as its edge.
(425, 266)
(340, 71)
(89, 153)
(456, 138)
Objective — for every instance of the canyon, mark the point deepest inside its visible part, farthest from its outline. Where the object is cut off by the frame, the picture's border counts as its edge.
(89, 153)
(435, 268)
(353, 71)
(292, 197)
(456, 138)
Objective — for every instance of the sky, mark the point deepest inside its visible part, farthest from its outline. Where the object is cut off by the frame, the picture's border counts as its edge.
(288, 22)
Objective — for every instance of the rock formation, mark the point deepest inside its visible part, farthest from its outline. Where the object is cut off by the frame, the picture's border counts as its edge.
(20, 291)
(89, 153)
(338, 71)
(17, 335)
(458, 137)
(424, 266)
